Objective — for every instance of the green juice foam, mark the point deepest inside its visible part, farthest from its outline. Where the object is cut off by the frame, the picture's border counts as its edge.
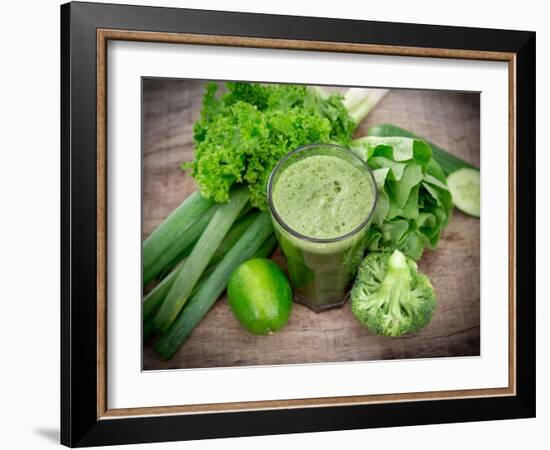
(323, 196)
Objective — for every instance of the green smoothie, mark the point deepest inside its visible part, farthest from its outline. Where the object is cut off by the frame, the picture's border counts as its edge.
(321, 199)
(323, 196)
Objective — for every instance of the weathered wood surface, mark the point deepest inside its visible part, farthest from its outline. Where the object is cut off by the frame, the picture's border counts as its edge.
(449, 119)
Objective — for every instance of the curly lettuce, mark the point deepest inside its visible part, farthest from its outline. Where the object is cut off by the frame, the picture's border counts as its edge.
(243, 133)
(414, 203)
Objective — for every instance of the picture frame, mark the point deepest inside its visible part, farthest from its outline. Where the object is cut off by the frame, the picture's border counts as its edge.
(86, 418)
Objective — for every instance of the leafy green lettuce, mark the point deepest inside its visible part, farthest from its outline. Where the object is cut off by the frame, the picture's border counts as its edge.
(243, 133)
(414, 203)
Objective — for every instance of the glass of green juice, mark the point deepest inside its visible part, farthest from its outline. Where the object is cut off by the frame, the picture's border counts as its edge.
(321, 198)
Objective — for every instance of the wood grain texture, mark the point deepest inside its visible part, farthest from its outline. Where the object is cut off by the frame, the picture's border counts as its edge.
(451, 120)
(292, 44)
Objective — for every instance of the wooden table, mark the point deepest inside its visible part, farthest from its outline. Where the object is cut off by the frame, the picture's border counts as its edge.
(451, 120)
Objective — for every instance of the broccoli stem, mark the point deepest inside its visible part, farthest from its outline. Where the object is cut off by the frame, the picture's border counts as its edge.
(396, 284)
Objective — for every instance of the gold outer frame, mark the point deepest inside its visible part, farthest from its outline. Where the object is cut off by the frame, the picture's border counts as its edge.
(103, 36)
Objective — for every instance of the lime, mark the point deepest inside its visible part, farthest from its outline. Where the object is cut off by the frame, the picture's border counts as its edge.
(260, 296)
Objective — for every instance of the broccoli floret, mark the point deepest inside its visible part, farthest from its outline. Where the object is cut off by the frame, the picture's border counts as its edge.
(390, 297)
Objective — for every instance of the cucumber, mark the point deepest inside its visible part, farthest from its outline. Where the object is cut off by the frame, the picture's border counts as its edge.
(464, 187)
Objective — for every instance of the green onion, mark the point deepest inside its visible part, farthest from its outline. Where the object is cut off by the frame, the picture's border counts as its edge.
(153, 299)
(190, 241)
(206, 296)
(449, 163)
(174, 226)
(148, 329)
(180, 247)
(236, 231)
(149, 322)
(190, 272)
(264, 251)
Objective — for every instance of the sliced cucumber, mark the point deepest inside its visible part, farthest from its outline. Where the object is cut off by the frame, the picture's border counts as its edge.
(464, 187)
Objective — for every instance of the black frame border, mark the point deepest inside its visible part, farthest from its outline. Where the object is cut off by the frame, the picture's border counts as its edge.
(79, 423)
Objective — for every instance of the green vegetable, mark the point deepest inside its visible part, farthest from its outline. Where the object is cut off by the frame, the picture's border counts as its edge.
(154, 298)
(390, 297)
(148, 329)
(243, 133)
(236, 231)
(249, 243)
(464, 185)
(181, 246)
(190, 272)
(148, 320)
(169, 266)
(264, 251)
(260, 296)
(360, 101)
(448, 162)
(414, 203)
(176, 225)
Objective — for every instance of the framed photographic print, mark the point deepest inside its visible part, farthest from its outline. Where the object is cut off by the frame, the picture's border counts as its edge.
(276, 224)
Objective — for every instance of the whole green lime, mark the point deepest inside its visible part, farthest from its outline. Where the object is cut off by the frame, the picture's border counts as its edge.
(260, 296)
